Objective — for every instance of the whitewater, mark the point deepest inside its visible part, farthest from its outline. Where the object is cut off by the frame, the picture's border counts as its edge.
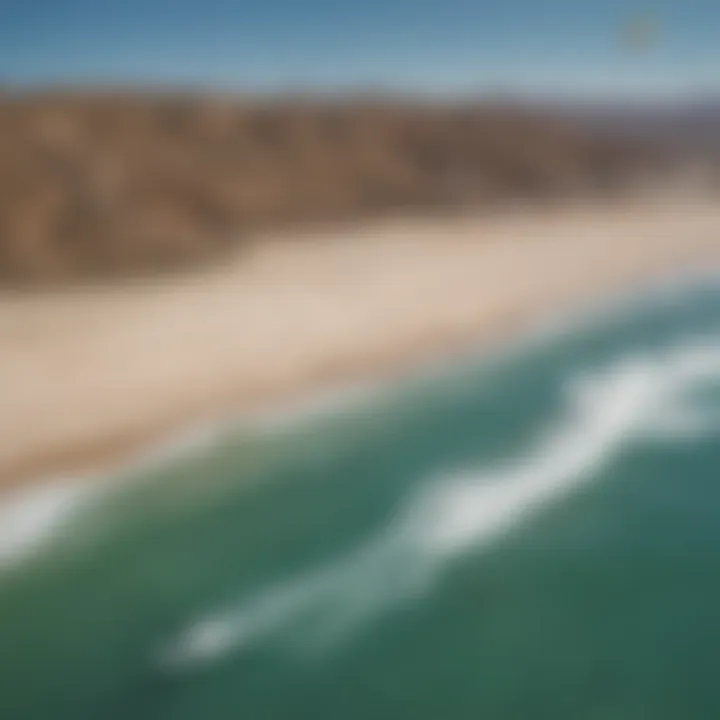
(635, 398)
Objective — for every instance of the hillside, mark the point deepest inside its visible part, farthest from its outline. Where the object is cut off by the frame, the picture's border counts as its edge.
(93, 184)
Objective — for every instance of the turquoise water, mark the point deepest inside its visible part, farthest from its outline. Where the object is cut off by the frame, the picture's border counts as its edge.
(531, 536)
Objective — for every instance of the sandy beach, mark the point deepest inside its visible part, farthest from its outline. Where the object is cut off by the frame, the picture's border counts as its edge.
(90, 376)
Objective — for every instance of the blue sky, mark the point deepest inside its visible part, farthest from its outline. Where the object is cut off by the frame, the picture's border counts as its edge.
(543, 46)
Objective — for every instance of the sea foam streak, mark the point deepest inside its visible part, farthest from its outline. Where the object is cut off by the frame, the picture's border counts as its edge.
(31, 516)
(635, 397)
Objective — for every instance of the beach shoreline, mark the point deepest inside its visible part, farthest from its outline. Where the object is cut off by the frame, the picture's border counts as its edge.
(94, 378)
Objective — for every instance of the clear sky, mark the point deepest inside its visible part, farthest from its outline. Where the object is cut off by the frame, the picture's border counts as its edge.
(555, 46)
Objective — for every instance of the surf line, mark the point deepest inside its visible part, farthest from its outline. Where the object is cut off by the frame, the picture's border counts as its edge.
(634, 398)
(31, 518)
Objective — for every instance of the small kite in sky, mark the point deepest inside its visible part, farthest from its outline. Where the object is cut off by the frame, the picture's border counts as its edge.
(641, 32)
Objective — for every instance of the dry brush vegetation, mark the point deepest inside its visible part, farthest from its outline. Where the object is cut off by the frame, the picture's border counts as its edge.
(93, 184)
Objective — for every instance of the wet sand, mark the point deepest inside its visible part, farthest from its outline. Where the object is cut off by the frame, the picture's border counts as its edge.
(91, 376)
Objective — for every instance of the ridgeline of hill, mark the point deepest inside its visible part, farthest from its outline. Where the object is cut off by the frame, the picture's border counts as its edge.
(95, 184)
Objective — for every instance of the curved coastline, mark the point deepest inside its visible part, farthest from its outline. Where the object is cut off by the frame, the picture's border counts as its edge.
(30, 515)
(32, 512)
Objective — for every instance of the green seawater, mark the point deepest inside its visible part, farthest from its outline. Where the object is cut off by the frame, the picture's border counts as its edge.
(531, 535)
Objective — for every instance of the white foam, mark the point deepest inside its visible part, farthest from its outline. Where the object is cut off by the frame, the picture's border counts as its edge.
(30, 517)
(464, 511)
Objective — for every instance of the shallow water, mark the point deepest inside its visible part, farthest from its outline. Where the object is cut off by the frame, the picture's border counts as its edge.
(530, 536)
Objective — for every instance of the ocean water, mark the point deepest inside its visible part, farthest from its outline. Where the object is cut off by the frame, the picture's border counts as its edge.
(533, 534)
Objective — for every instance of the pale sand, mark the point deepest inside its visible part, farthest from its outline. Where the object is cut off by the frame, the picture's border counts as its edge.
(90, 376)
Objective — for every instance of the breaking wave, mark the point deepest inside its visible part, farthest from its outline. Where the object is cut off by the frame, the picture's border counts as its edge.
(605, 411)
(28, 518)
